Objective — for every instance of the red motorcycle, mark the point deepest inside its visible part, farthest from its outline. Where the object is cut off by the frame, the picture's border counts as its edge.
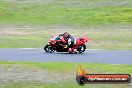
(58, 44)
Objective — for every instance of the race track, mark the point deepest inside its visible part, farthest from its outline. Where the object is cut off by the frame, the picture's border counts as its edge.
(90, 56)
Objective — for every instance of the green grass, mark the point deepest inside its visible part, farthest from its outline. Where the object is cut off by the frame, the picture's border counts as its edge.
(67, 67)
(66, 13)
(22, 41)
(64, 85)
(37, 85)
(70, 66)
(101, 39)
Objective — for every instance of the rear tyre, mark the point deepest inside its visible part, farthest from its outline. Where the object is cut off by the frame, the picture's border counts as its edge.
(48, 48)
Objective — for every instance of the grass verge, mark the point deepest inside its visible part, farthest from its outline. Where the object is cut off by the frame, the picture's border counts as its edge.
(37, 38)
(72, 13)
(68, 68)
(67, 13)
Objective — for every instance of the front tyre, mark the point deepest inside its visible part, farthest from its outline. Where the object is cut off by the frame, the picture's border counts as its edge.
(82, 48)
(48, 48)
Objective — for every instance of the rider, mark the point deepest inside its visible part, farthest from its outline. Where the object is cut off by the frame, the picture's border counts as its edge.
(70, 41)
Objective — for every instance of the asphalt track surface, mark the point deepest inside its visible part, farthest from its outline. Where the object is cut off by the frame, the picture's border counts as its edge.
(90, 56)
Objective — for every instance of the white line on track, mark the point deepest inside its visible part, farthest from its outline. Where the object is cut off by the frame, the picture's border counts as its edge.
(95, 49)
(28, 48)
(40, 48)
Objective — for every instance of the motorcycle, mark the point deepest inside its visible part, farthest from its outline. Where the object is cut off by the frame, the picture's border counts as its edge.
(58, 44)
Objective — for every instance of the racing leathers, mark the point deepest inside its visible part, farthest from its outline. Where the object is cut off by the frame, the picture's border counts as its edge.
(70, 41)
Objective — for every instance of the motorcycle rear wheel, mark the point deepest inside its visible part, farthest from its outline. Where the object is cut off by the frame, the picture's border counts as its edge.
(48, 48)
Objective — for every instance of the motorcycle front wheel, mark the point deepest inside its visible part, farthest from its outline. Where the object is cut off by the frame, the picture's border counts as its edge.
(82, 48)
